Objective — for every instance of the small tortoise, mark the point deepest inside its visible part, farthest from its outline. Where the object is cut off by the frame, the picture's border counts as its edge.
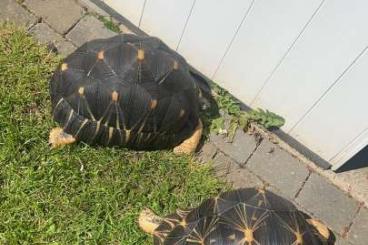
(128, 91)
(240, 217)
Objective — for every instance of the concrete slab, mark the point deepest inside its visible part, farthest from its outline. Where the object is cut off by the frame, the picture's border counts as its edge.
(60, 15)
(358, 233)
(278, 168)
(222, 165)
(87, 29)
(11, 11)
(354, 181)
(91, 7)
(46, 35)
(240, 149)
(241, 177)
(207, 152)
(328, 203)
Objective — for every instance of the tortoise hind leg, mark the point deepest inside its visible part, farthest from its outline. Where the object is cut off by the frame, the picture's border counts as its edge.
(190, 145)
(148, 221)
(59, 138)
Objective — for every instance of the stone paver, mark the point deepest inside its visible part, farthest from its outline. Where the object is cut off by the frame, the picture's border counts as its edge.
(241, 177)
(358, 233)
(11, 11)
(222, 165)
(328, 203)
(91, 7)
(60, 15)
(278, 168)
(240, 149)
(207, 152)
(88, 28)
(341, 241)
(48, 36)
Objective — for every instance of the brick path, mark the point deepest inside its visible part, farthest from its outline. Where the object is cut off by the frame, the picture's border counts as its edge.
(259, 159)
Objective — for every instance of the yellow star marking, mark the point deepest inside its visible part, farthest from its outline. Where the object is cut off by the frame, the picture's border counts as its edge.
(182, 112)
(140, 54)
(101, 55)
(153, 104)
(81, 90)
(183, 223)
(114, 96)
(176, 65)
(64, 67)
(82, 125)
(299, 238)
(127, 135)
(248, 234)
(111, 130)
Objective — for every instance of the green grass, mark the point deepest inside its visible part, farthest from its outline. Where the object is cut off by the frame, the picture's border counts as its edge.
(77, 194)
(109, 24)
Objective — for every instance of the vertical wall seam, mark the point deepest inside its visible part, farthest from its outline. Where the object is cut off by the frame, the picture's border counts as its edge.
(142, 12)
(337, 80)
(185, 25)
(268, 79)
(233, 38)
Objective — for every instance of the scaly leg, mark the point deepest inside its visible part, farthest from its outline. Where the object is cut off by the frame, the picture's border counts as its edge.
(148, 221)
(190, 145)
(59, 138)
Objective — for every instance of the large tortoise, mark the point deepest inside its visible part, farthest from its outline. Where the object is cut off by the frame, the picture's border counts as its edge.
(129, 91)
(240, 217)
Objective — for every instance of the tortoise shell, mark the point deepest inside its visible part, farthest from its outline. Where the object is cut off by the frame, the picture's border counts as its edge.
(127, 90)
(243, 216)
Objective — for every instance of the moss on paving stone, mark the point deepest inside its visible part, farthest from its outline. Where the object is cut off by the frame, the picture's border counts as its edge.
(77, 194)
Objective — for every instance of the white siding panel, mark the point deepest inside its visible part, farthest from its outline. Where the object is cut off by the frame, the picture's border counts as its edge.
(331, 42)
(130, 9)
(166, 19)
(262, 41)
(210, 30)
(340, 116)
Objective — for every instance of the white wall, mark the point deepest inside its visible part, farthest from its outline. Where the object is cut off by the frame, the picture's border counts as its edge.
(303, 59)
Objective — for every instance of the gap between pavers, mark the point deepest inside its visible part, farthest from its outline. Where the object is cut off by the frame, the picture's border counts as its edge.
(328, 203)
(60, 15)
(278, 168)
(46, 35)
(11, 11)
(240, 149)
(358, 233)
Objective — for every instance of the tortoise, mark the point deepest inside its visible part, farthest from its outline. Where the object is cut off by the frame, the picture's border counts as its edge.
(246, 216)
(128, 91)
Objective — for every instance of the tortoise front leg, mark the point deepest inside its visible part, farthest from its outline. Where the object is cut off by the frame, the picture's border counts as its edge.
(190, 145)
(59, 138)
(148, 221)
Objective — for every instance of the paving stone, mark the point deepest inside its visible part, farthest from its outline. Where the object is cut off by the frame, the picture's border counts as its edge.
(65, 48)
(11, 11)
(328, 203)
(60, 15)
(241, 177)
(358, 233)
(93, 8)
(87, 29)
(222, 165)
(46, 35)
(207, 152)
(240, 149)
(278, 168)
(341, 241)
